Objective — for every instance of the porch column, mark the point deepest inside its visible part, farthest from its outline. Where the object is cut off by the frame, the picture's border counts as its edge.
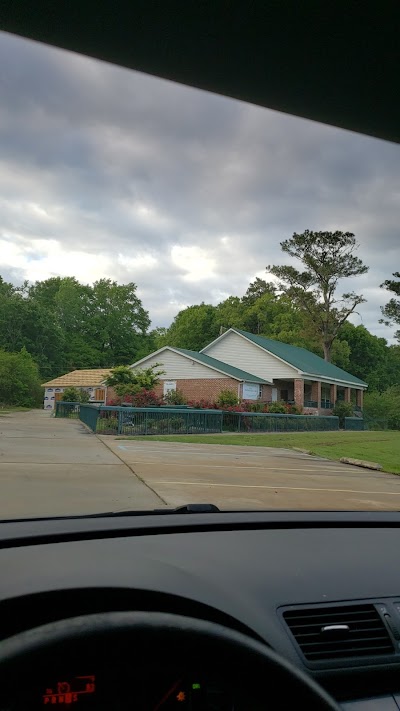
(299, 392)
(359, 398)
(333, 394)
(316, 393)
(347, 394)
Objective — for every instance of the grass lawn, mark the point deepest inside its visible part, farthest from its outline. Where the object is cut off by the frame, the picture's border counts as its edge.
(11, 408)
(381, 447)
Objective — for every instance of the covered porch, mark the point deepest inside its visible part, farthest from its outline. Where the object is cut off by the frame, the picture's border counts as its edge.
(316, 396)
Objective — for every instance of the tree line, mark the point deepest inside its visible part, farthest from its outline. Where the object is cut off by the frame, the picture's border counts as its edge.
(62, 325)
(66, 325)
(304, 307)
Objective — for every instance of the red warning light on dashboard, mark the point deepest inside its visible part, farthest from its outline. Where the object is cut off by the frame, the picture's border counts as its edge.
(69, 692)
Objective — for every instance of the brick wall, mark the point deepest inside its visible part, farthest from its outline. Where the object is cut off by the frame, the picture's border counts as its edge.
(193, 389)
(316, 391)
(266, 393)
(203, 389)
(111, 395)
(299, 392)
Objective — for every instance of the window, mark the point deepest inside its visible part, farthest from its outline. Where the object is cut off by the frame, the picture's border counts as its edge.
(99, 394)
(169, 385)
(251, 391)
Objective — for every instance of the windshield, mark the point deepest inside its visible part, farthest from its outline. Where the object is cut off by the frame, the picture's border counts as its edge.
(199, 299)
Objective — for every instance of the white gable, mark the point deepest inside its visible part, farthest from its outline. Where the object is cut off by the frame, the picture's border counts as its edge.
(241, 353)
(179, 367)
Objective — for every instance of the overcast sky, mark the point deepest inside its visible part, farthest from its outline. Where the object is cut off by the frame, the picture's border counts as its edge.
(106, 172)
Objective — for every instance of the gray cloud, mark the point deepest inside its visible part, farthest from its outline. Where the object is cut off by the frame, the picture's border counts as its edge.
(107, 172)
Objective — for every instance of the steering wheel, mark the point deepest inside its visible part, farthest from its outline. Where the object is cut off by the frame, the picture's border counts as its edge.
(122, 646)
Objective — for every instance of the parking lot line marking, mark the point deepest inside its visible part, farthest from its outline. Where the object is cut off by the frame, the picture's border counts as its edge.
(263, 469)
(264, 486)
(207, 453)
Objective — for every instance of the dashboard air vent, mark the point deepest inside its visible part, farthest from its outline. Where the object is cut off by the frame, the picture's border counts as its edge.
(324, 633)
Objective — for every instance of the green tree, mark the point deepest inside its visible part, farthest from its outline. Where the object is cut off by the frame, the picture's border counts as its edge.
(102, 325)
(129, 381)
(118, 321)
(230, 313)
(341, 354)
(382, 409)
(368, 356)
(278, 318)
(389, 372)
(72, 394)
(193, 327)
(19, 379)
(327, 257)
(69, 305)
(391, 310)
(158, 338)
(27, 324)
(120, 375)
(258, 288)
(342, 410)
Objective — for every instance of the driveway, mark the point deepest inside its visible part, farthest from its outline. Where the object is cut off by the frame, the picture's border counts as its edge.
(56, 467)
(235, 477)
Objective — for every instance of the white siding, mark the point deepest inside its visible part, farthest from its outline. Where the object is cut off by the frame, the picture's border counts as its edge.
(49, 398)
(179, 367)
(241, 353)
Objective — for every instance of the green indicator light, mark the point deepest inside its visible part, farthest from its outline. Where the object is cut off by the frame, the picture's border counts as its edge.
(195, 686)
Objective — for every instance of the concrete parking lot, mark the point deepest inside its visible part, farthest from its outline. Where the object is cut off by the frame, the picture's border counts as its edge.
(235, 477)
(56, 467)
(52, 467)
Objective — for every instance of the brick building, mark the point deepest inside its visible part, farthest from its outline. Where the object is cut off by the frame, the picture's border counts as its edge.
(256, 368)
(296, 374)
(199, 376)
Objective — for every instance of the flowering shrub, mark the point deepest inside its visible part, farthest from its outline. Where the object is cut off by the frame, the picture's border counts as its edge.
(175, 397)
(236, 408)
(203, 404)
(293, 409)
(278, 408)
(227, 398)
(146, 398)
(143, 398)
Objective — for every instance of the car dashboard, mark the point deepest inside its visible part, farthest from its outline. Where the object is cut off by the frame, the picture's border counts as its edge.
(321, 589)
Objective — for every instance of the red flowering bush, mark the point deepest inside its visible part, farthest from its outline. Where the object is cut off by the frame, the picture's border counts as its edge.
(145, 398)
(203, 404)
(235, 408)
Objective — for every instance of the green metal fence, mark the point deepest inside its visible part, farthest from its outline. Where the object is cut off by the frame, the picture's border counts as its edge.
(150, 420)
(67, 409)
(169, 421)
(174, 420)
(354, 423)
(262, 422)
(89, 414)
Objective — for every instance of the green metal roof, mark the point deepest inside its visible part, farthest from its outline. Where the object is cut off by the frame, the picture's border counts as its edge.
(309, 363)
(224, 367)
